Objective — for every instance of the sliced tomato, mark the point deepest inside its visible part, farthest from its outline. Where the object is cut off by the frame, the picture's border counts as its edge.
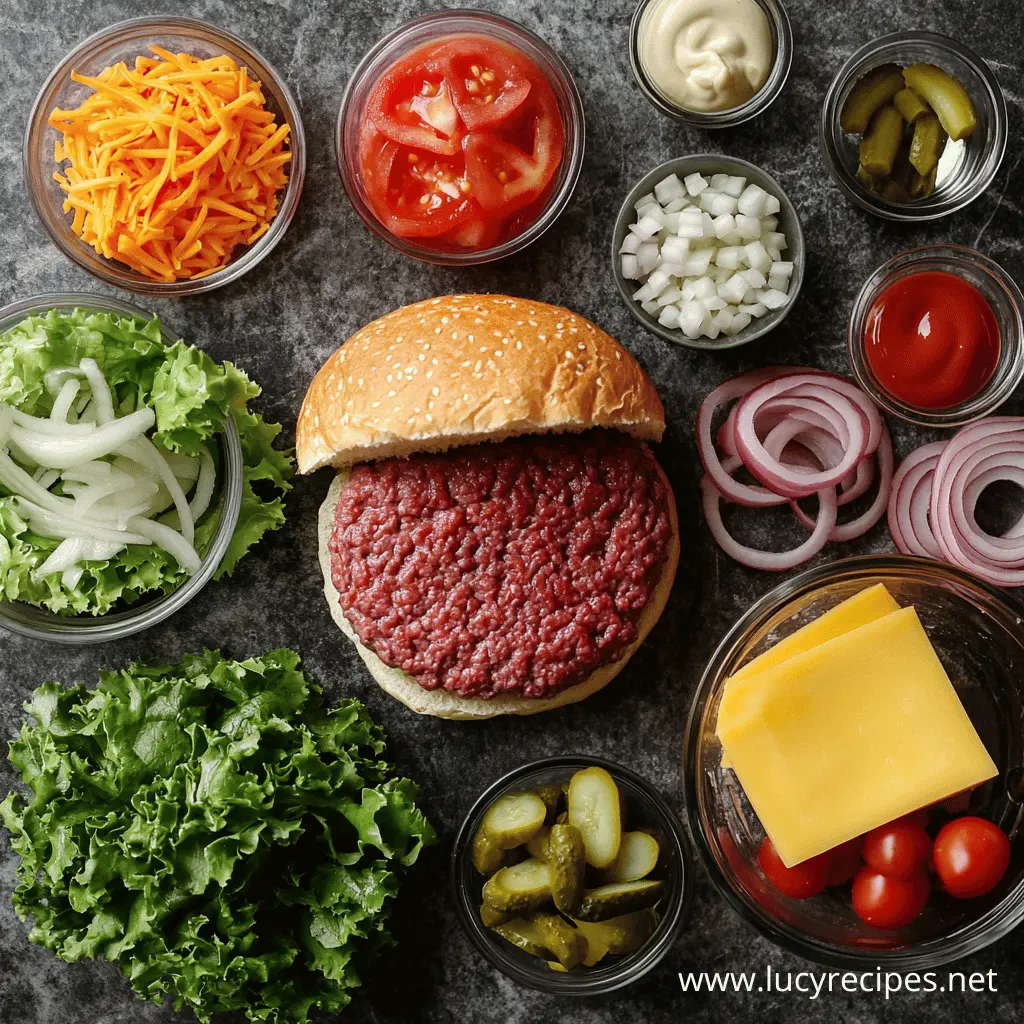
(487, 82)
(415, 194)
(479, 232)
(412, 104)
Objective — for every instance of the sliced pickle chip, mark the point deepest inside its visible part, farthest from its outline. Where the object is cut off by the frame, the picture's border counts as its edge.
(595, 809)
(524, 886)
(619, 898)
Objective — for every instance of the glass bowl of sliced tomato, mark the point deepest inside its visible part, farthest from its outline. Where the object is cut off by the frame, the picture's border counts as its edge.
(914, 893)
(460, 137)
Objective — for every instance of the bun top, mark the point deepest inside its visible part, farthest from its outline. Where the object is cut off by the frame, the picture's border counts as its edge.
(462, 369)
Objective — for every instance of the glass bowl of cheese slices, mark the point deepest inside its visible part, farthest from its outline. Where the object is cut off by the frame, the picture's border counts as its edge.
(878, 696)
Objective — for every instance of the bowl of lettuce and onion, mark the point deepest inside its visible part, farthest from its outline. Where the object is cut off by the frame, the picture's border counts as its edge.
(132, 470)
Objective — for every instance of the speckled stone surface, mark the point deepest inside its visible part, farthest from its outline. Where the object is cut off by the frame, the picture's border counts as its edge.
(330, 276)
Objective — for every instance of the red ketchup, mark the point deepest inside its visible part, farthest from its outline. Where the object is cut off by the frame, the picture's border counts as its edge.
(932, 340)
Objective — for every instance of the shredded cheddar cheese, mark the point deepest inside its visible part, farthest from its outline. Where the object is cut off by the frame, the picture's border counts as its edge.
(171, 164)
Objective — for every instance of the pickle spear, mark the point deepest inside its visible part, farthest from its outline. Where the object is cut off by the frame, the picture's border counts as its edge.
(910, 105)
(922, 185)
(878, 86)
(619, 898)
(927, 145)
(567, 862)
(524, 886)
(617, 935)
(561, 939)
(946, 96)
(525, 934)
(878, 148)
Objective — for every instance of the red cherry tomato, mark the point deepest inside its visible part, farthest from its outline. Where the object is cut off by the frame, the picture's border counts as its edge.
(885, 902)
(486, 81)
(846, 861)
(971, 856)
(800, 881)
(899, 849)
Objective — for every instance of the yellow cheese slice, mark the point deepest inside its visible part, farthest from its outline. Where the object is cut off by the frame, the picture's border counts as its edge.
(865, 606)
(851, 734)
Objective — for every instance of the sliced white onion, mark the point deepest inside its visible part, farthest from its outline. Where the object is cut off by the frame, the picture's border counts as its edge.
(73, 550)
(56, 452)
(102, 398)
(170, 540)
(64, 400)
(143, 451)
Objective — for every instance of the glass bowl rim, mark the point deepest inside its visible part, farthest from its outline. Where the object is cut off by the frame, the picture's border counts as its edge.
(797, 251)
(559, 198)
(995, 391)
(71, 246)
(903, 212)
(629, 969)
(969, 939)
(116, 625)
(778, 19)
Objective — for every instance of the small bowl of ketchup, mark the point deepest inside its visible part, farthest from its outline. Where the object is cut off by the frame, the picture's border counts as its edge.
(936, 336)
(460, 137)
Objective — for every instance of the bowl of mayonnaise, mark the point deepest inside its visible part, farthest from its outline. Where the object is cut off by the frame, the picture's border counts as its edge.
(711, 63)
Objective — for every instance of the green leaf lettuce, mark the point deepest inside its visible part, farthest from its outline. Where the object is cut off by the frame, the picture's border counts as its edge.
(214, 830)
(192, 396)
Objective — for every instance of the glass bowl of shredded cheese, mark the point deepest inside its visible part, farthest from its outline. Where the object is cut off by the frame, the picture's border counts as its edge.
(165, 156)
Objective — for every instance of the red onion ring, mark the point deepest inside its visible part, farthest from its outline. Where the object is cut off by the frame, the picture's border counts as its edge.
(866, 520)
(768, 560)
(935, 495)
(740, 494)
(846, 416)
(910, 501)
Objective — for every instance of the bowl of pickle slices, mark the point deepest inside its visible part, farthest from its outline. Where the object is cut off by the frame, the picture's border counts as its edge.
(913, 126)
(571, 875)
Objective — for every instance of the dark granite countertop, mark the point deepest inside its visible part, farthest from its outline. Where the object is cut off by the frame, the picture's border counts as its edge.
(328, 277)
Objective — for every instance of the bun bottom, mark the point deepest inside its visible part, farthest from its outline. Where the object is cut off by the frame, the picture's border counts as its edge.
(444, 704)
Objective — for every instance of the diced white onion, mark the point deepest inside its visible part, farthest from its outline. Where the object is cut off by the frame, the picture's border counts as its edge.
(705, 252)
(668, 189)
(695, 183)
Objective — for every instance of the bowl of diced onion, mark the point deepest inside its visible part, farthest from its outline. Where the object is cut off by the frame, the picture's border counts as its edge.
(708, 252)
(208, 493)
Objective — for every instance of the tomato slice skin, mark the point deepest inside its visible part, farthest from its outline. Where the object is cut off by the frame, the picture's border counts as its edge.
(800, 882)
(486, 82)
(889, 903)
(401, 102)
(898, 849)
(971, 856)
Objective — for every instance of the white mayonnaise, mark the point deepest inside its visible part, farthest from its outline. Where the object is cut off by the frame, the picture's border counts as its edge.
(706, 55)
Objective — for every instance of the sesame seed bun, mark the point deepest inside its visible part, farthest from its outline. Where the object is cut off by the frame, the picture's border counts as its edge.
(463, 369)
(443, 704)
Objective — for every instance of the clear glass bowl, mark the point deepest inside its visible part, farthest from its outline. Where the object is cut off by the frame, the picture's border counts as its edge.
(40, 624)
(789, 223)
(1002, 294)
(782, 50)
(979, 636)
(966, 169)
(645, 807)
(125, 41)
(440, 25)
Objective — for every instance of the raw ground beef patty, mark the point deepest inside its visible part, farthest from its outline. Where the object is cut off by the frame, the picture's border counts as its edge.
(515, 568)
